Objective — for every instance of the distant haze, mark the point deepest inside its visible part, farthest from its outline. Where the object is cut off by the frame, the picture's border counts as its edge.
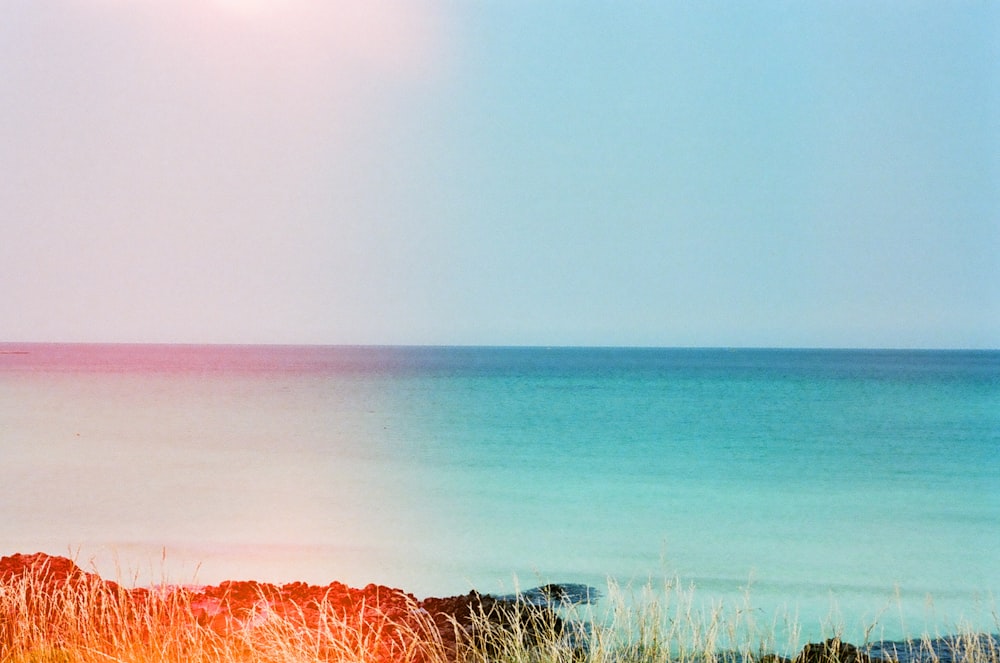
(424, 172)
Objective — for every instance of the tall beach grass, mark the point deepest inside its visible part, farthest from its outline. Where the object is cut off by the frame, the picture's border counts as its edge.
(97, 622)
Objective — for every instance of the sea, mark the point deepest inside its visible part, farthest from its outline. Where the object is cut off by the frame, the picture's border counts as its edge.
(821, 492)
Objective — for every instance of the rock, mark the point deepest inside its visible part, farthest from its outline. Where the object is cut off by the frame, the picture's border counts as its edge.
(40, 577)
(488, 621)
(834, 651)
(41, 568)
(384, 623)
(556, 595)
(946, 649)
(772, 658)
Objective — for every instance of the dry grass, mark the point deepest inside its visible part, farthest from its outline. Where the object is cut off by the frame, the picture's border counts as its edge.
(87, 622)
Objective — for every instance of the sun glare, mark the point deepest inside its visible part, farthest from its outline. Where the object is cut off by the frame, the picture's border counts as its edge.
(256, 8)
(400, 36)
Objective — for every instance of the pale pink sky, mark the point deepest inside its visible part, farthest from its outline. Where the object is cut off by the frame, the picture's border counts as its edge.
(425, 171)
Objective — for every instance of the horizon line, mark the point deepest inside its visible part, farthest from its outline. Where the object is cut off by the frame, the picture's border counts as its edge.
(515, 346)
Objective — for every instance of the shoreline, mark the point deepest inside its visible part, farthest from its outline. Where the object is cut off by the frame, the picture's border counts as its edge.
(535, 616)
(823, 486)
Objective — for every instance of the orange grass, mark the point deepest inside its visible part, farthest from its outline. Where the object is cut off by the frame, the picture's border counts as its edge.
(84, 619)
(93, 621)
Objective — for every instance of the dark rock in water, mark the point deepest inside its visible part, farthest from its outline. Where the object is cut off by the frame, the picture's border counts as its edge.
(572, 635)
(834, 650)
(555, 595)
(488, 621)
(767, 658)
(948, 649)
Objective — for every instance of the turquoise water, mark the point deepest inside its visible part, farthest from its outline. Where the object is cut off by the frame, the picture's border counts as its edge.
(841, 488)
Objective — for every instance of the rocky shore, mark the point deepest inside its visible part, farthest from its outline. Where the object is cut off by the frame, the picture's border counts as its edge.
(386, 624)
(388, 616)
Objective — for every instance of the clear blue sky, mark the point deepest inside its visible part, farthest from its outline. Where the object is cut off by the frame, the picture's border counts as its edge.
(565, 173)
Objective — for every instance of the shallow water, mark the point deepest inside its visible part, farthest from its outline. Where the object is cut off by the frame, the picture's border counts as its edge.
(842, 487)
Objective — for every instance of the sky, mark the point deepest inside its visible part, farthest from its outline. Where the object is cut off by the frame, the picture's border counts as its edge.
(781, 174)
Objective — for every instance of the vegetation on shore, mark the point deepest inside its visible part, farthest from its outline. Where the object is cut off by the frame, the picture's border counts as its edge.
(83, 619)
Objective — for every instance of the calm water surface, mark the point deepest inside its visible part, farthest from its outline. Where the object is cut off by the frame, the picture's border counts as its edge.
(839, 486)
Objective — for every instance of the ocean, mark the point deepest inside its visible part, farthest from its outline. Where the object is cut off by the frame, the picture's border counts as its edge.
(844, 490)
